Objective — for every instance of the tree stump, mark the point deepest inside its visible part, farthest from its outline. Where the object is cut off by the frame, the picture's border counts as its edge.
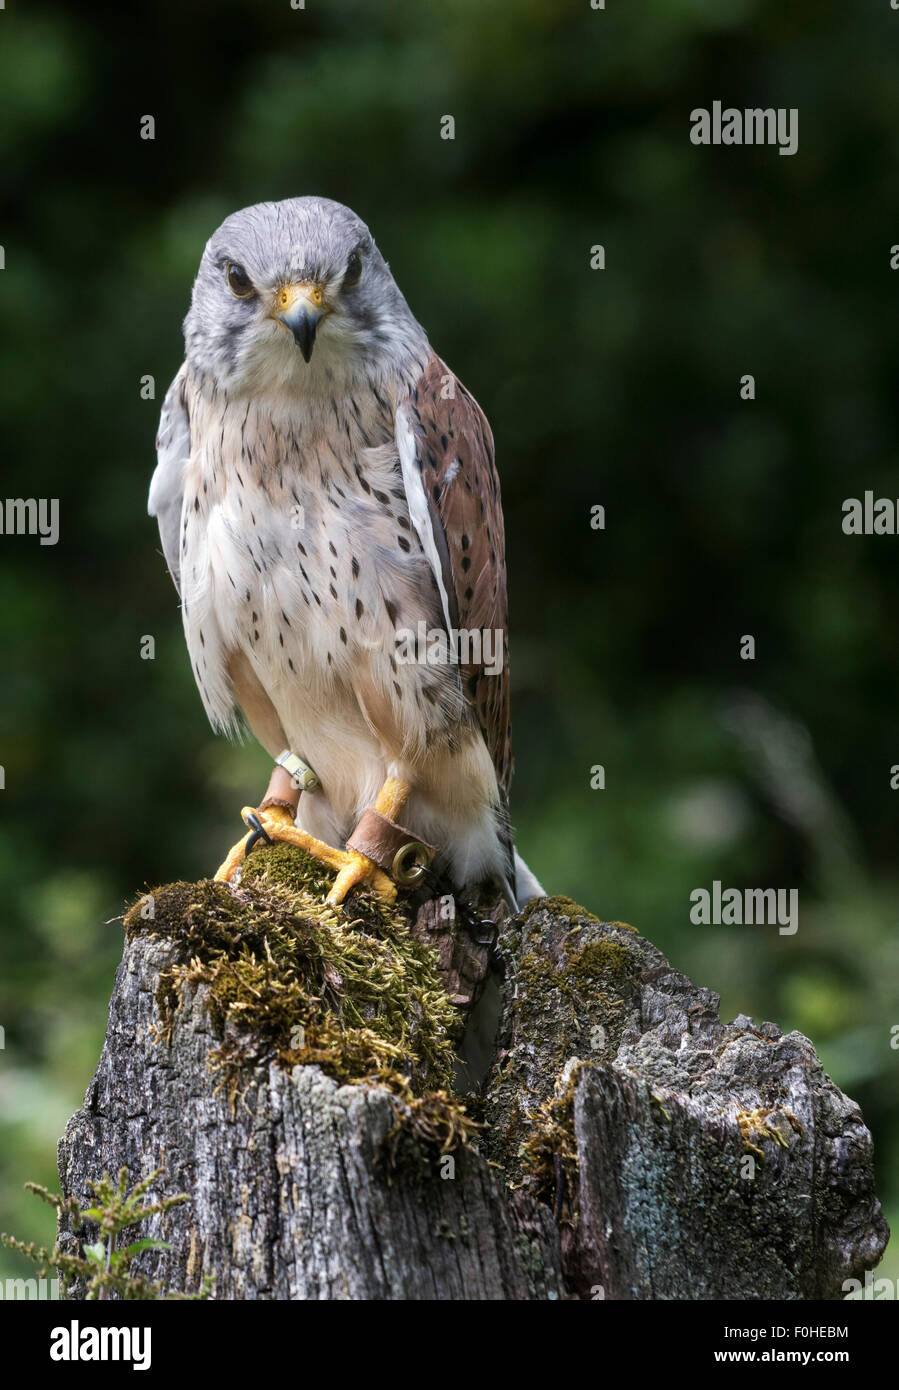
(291, 1069)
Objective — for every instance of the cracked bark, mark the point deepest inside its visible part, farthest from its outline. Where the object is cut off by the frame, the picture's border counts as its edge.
(635, 1146)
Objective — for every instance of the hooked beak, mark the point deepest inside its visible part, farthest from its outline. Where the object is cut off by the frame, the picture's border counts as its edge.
(300, 308)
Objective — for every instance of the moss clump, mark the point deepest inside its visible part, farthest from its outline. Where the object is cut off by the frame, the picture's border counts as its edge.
(600, 962)
(558, 906)
(297, 874)
(293, 869)
(293, 980)
(427, 1129)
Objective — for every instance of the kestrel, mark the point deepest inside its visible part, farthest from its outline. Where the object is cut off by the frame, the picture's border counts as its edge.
(330, 513)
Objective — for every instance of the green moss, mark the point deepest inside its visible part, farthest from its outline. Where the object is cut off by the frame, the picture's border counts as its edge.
(586, 989)
(294, 870)
(293, 980)
(601, 961)
(427, 1129)
(296, 873)
(559, 906)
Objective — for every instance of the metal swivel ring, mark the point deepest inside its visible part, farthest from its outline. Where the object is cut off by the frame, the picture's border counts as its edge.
(410, 863)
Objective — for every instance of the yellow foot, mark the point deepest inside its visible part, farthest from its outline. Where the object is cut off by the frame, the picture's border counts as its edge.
(352, 869)
(358, 869)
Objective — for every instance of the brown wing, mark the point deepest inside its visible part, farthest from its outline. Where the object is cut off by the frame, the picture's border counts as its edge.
(453, 456)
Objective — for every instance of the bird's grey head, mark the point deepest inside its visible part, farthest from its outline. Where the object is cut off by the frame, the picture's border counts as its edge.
(296, 296)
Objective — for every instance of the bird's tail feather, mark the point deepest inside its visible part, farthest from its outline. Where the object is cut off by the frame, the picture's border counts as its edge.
(527, 886)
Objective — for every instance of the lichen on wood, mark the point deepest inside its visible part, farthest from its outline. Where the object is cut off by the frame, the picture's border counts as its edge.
(683, 1157)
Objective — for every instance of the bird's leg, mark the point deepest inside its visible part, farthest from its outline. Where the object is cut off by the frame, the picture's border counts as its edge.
(275, 817)
(281, 800)
(359, 868)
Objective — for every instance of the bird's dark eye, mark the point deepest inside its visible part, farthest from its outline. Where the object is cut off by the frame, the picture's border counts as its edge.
(239, 282)
(353, 270)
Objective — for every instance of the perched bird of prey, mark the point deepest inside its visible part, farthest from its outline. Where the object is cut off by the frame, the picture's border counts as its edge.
(330, 513)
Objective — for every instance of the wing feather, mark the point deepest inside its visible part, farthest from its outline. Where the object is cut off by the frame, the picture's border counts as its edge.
(167, 484)
(452, 487)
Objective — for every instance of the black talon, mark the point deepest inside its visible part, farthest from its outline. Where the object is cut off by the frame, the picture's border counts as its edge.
(259, 833)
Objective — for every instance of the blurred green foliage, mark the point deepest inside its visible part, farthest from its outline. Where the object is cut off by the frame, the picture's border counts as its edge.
(617, 387)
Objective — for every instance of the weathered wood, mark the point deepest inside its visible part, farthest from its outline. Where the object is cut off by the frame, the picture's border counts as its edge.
(655, 1152)
(713, 1160)
(293, 1196)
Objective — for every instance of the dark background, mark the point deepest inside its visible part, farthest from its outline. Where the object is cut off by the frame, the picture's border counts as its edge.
(618, 387)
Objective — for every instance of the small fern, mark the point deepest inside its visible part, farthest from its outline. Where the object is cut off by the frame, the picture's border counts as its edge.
(103, 1266)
